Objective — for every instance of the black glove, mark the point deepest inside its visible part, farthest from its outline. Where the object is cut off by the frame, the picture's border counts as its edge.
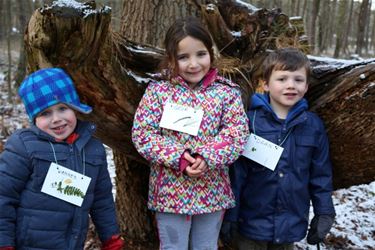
(227, 231)
(319, 228)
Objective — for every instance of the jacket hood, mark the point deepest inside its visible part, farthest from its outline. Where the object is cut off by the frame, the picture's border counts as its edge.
(263, 101)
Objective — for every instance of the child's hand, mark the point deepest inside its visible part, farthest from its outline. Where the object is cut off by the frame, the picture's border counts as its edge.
(189, 158)
(193, 173)
(198, 165)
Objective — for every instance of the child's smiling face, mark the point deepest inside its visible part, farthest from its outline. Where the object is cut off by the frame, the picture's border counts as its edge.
(58, 121)
(286, 88)
(193, 60)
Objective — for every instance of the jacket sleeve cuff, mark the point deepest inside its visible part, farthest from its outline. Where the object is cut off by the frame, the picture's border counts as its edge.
(183, 164)
(7, 248)
(114, 243)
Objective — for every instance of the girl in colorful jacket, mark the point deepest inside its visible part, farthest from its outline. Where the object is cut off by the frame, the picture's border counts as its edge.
(54, 174)
(190, 128)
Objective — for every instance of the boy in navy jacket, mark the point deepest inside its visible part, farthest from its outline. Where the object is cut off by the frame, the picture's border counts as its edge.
(272, 201)
(54, 174)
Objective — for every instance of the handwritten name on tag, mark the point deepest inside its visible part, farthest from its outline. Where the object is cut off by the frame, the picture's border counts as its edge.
(181, 118)
(263, 151)
(66, 184)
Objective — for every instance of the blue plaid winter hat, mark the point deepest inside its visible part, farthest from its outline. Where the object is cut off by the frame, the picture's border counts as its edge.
(47, 87)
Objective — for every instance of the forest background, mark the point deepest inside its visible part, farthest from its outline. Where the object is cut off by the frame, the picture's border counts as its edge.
(342, 29)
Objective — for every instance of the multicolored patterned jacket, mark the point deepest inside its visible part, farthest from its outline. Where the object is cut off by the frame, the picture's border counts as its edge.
(220, 140)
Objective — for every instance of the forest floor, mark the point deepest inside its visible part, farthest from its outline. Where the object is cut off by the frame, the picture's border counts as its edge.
(354, 226)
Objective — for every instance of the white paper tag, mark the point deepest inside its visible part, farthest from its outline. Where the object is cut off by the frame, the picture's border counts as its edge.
(181, 118)
(66, 184)
(262, 151)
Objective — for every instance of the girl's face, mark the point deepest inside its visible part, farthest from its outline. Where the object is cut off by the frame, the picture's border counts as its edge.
(58, 121)
(286, 88)
(193, 60)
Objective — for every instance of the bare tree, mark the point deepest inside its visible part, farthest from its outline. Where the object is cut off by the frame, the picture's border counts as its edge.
(348, 27)
(298, 7)
(24, 12)
(305, 3)
(373, 31)
(2, 20)
(362, 21)
(8, 28)
(368, 27)
(332, 23)
(293, 8)
(312, 24)
(340, 30)
(323, 28)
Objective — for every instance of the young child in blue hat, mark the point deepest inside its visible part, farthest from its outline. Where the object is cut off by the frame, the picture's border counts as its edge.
(54, 175)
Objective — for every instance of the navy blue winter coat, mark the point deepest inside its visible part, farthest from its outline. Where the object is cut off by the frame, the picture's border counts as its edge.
(30, 219)
(273, 206)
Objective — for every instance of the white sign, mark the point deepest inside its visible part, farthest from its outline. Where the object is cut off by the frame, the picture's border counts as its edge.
(181, 118)
(262, 151)
(66, 184)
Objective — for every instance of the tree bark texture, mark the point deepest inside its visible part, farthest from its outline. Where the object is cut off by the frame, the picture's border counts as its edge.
(112, 70)
(150, 26)
(344, 97)
(362, 21)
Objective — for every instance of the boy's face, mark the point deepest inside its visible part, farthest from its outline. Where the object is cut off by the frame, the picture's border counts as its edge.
(286, 88)
(58, 121)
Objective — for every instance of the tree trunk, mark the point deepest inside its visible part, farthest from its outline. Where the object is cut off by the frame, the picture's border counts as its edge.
(368, 28)
(293, 8)
(304, 8)
(157, 16)
(24, 9)
(345, 45)
(323, 27)
(331, 23)
(362, 20)
(340, 30)
(2, 20)
(131, 198)
(8, 28)
(312, 25)
(111, 73)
